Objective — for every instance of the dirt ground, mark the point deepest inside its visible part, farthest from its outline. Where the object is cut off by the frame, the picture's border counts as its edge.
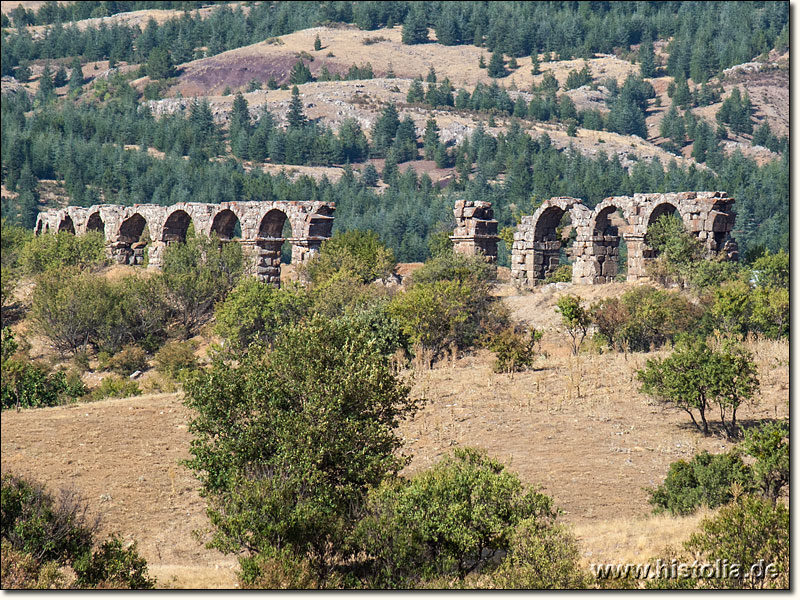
(575, 426)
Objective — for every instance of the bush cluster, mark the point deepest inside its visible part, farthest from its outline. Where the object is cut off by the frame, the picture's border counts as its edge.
(42, 534)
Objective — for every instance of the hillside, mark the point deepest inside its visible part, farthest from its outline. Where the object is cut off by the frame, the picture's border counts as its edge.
(576, 426)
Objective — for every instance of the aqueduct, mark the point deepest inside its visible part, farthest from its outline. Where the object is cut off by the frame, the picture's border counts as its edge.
(538, 239)
(258, 226)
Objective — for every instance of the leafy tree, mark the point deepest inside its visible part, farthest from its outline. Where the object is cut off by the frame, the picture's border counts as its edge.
(575, 318)
(772, 270)
(769, 445)
(449, 521)
(705, 480)
(274, 439)
(747, 532)
(360, 253)
(197, 274)
(696, 378)
(255, 312)
(770, 311)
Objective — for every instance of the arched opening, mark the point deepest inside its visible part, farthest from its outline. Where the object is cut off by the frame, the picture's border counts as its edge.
(226, 225)
(39, 226)
(95, 223)
(273, 233)
(660, 216)
(609, 249)
(132, 241)
(553, 235)
(66, 225)
(176, 227)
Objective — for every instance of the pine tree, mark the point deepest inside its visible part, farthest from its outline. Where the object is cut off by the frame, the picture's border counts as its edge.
(497, 65)
(296, 116)
(317, 43)
(45, 91)
(647, 59)
(300, 73)
(60, 78)
(535, 63)
(431, 138)
(431, 78)
(416, 93)
(415, 27)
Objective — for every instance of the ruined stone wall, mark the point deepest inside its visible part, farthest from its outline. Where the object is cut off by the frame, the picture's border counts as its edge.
(132, 231)
(595, 248)
(476, 229)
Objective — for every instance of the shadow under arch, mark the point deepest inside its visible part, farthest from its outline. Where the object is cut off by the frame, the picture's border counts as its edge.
(132, 240)
(66, 225)
(176, 227)
(226, 225)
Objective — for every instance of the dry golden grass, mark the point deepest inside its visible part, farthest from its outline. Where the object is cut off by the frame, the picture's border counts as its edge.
(574, 426)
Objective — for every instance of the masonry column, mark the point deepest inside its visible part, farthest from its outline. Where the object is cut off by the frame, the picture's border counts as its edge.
(638, 256)
(476, 229)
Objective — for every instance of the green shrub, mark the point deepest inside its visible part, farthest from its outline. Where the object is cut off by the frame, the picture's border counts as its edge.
(575, 319)
(769, 445)
(540, 557)
(41, 534)
(770, 311)
(288, 441)
(28, 385)
(116, 387)
(112, 566)
(745, 533)
(453, 266)
(196, 275)
(515, 350)
(274, 569)
(342, 292)
(360, 253)
(129, 360)
(645, 318)
(78, 309)
(56, 251)
(449, 521)
(254, 312)
(705, 480)
(176, 359)
(560, 275)
(772, 270)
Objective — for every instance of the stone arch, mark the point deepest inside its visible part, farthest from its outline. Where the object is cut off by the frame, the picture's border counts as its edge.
(226, 225)
(66, 225)
(176, 226)
(661, 209)
(130, 246)
(95, 223)
(39, 229)
(547, 243)
(606, 241)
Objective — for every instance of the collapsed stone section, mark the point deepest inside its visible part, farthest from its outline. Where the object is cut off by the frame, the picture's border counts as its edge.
(476, 229)
(538, 240)
(140, 233)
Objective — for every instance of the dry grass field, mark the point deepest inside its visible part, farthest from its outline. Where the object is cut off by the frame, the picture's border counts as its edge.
(575, 426)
